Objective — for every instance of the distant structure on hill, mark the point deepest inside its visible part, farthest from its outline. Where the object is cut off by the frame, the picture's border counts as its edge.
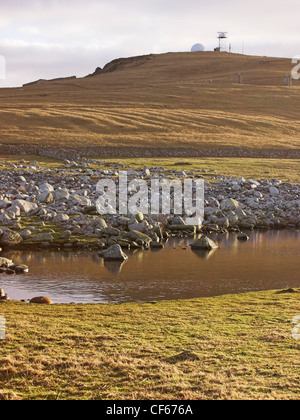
(221, 37)
(287, 81)
(198, 48)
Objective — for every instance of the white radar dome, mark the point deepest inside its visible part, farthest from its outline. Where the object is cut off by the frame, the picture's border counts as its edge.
(198, 48)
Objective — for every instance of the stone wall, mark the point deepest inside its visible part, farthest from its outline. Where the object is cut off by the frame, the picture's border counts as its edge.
(72, 153)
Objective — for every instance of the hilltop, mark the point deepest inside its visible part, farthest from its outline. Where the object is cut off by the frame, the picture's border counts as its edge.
(174, 100)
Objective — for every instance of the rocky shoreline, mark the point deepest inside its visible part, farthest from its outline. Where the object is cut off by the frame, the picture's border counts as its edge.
(42, 208)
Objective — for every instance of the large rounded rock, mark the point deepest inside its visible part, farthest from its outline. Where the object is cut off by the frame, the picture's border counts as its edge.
(45, 197)
(61, 195)
(247, 224)
(79, 200)
(114, 253)
(9, 237)
(43, 237)
(223, 222)
(46, 188)
(110, 231)
(229, 204)
(41, 301)
(5, 220)
(142, 227)
(232, 218)
(204, 243)
(25, 234)
(274, 191)
(61, 218)
(25, 206)
(138, 236)
(98, 223)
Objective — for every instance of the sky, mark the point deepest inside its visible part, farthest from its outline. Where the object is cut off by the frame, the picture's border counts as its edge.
(45, 39)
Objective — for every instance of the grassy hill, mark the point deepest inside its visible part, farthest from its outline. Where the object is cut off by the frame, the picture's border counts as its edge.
(176, 99)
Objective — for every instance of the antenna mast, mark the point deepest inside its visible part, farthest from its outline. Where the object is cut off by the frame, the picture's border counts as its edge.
(221, 37)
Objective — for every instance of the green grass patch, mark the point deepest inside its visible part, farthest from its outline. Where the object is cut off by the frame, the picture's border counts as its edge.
(283, 169)
(242, 343)
(44, 162)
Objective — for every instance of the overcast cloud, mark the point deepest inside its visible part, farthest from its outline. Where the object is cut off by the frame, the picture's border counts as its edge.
(53, 38)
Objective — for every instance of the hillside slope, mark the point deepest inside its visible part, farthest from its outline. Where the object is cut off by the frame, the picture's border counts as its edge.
(169, 100)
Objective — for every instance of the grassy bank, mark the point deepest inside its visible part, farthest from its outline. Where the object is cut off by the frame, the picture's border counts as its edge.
(241, 347)
(249, 168)
(236, 167)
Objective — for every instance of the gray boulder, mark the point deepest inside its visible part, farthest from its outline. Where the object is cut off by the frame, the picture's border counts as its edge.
(45, 188)
(45, 197)
(114, 253)
(61, 218)
(26, 234)
(25, 206)
(274, 191)
(79, 200)
(9, 237)
(204, 243)
(61, 194)
(5, 220)
(43, 237)
(229, 204)
(111, 231)
(4, 204)
(243, 237)
(139, 227)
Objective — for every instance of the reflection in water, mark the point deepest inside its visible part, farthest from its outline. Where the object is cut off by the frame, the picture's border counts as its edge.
(114, 266)
(270, 260)
(204, 254)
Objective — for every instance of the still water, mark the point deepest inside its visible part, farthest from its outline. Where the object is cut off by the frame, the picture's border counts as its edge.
(270, 260)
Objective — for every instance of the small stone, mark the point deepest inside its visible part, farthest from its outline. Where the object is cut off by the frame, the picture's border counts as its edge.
(274, 191)
(243, 237)
(21, 269)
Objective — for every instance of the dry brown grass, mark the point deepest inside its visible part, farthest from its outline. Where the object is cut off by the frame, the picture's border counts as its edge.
(168, 100)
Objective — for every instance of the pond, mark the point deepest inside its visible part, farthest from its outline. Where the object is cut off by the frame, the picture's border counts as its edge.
(270, 260)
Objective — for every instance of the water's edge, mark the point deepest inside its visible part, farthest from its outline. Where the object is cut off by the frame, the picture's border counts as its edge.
(270, 260)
